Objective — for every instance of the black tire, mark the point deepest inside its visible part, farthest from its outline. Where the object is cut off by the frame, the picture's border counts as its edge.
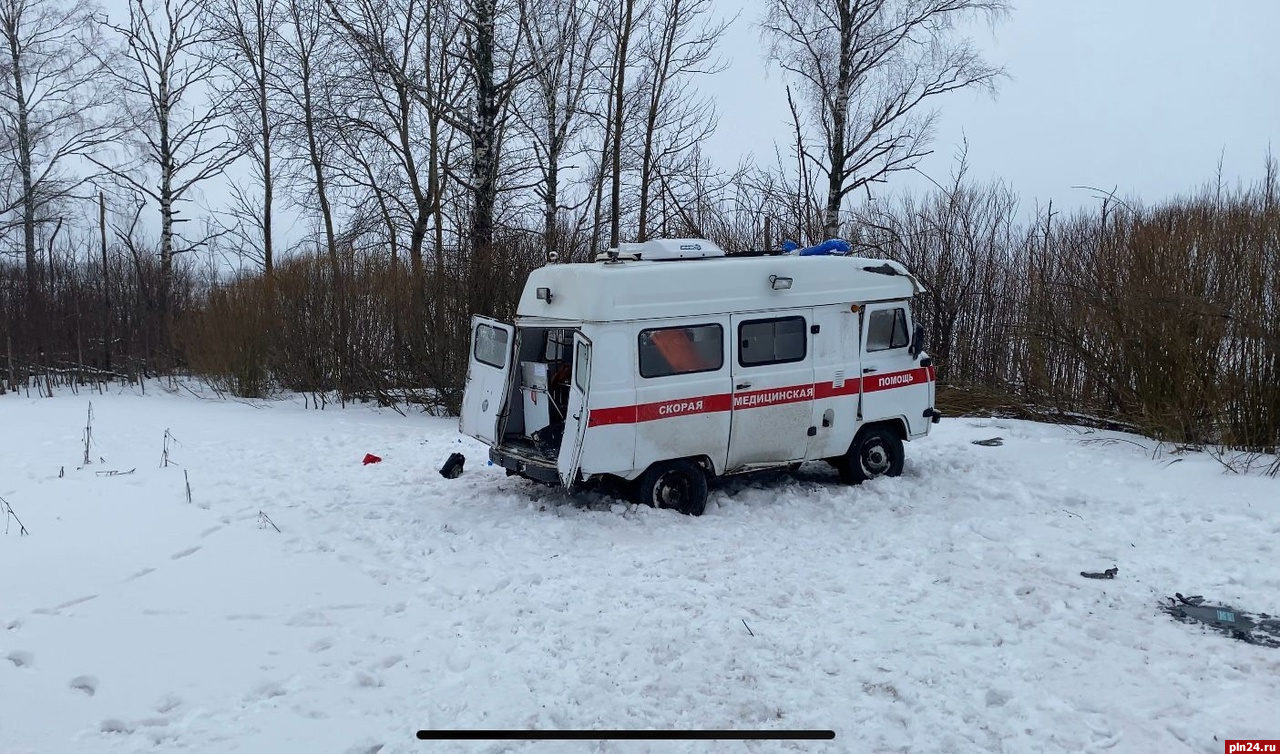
(678, 485)
(876, 451)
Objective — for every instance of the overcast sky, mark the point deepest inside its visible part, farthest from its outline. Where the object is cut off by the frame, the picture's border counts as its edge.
(1143, 95)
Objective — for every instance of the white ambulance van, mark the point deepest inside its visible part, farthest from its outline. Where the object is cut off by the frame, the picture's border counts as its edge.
(665, 363)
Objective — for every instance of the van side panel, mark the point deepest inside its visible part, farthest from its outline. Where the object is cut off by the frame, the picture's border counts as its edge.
(773, 387)
(837, 369)
(609, 447)
(675, 415)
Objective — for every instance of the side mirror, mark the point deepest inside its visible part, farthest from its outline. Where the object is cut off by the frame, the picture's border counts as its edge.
(917, 341)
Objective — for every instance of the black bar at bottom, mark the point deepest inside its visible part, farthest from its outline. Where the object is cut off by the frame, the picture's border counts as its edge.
(625, 735)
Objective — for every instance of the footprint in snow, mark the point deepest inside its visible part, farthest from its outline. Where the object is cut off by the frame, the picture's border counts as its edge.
(269, 690)
(13, 625)
(168, 703)
(76, 601)
(458, 661)
(184, 553)
(309, 619)
(115, 725)
(209, 531)
(141, 573)
(21, 659)
(321, 645)
(86, 683)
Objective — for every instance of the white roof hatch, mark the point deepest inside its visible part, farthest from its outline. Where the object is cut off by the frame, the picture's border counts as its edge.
(659, 249)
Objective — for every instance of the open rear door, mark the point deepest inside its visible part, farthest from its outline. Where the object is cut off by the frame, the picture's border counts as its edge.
(575, 423)
(484, 400)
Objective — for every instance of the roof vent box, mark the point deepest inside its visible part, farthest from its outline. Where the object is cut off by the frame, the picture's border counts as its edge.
(659, 249)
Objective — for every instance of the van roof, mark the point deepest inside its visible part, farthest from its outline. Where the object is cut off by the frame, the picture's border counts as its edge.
(631, 290)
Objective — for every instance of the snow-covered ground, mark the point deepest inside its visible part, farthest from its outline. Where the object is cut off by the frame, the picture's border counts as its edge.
(941, 611)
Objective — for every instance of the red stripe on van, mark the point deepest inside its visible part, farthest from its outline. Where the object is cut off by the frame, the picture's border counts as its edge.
(708, 404)
(829, 389)
(646, 412)
(703, 404)
(873, 383)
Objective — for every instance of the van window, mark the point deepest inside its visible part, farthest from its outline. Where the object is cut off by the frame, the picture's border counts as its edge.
(772, 341)
(681, 350)
(887, 329)
(491, 345)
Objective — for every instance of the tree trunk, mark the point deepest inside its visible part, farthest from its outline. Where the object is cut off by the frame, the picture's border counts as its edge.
(106, 284)
(484, 176)
(550, 198)
(268, 184)
(24, 168)
(167, 167)
(839, 125)
(421, 199)
(315, 159)
(620, 80)
(660, 79)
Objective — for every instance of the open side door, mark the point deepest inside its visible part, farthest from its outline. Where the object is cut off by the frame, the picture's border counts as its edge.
(484, 400)
(575, 423)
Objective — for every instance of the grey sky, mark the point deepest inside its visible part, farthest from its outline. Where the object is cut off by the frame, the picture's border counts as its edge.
(1143, 95)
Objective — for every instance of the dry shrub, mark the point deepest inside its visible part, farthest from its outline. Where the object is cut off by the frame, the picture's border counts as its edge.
(1162, 318)
(229, 339)
(369, 327)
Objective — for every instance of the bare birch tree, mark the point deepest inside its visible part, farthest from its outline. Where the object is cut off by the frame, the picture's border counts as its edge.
(562, 37)
(868, 71)
(308, 127)
(244, 45)
(624, 30)
(391, 127)
(490, 74)
(53, 108)
(179, 124)
(679, 44)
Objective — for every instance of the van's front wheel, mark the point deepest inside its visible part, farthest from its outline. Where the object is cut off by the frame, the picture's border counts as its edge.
(678, 485)
(876, 451)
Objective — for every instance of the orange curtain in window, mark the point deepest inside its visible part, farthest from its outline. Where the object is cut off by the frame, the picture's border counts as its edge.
(677, 348)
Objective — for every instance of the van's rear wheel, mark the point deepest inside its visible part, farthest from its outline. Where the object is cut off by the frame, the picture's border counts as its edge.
(876, 451)
(678, 485)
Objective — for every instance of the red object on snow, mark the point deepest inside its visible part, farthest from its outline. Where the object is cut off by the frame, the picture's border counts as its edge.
(371, 458)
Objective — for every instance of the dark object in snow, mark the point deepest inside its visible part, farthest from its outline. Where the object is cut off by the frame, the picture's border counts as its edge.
(1110, 573)
(1260, 628)
(263, 518)
(991, 443)
(452, 468)
(370, 458)
(115, 472)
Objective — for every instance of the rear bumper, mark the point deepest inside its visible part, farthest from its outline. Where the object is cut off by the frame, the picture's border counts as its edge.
(530, 468)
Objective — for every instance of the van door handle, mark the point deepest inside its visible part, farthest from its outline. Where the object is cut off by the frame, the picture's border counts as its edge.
(742, 386)
(868, 370)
